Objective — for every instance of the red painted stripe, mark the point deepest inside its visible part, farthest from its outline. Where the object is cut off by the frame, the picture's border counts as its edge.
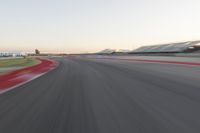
(155, 61)
(22, 75)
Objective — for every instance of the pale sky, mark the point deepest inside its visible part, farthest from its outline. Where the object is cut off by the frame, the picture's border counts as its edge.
(74, 26)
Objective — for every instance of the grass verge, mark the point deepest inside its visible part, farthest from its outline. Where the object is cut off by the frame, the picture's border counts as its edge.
(18, 62)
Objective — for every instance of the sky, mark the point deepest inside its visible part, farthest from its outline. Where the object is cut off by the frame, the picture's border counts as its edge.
(81, 26)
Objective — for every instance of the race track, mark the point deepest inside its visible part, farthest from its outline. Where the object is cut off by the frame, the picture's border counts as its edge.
(105, 96)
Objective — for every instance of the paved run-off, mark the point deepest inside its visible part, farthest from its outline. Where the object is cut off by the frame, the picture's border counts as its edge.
(105, 96)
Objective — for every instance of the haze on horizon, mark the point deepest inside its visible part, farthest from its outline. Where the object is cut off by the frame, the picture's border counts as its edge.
(92, 25)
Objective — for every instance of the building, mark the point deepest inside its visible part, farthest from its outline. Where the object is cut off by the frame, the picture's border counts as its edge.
(11, 54)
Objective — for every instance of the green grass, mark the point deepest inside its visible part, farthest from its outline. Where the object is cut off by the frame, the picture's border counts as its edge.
(19, 62)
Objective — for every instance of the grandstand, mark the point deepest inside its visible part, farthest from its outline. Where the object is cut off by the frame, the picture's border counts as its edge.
(107, 51)
(183, 47)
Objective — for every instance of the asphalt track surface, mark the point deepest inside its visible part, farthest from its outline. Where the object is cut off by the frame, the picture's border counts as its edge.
(105, 96)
